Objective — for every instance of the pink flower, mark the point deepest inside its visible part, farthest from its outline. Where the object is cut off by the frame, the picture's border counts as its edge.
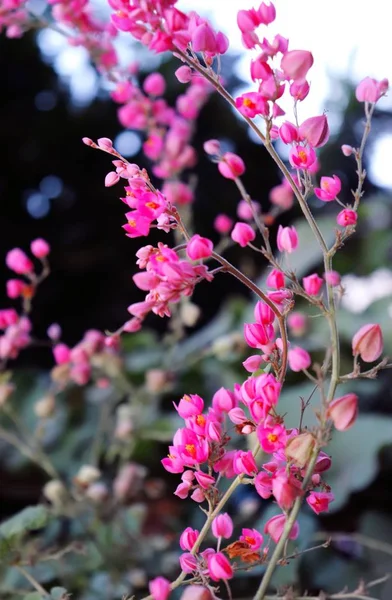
(222, 526)
(256, 335)
(296, 64)
(253, 363)
(19, 262)
(204, 480)
(301, 157)
(212, 147)
(204, 39)
(272, 439)
(223, 401)
(371, 90)
(196, 592)
(188, 562)
(347, 217)
(299, 90)
(299, 359)
(343, 411)
(223, 224)
(111, 179)
(263, 485)
(266, 13)
(275, 279)
(319, 501)
(248, 20)
(39, 248)
(219, 567)
(312, 284)
(252, 104)
(62, 354)
(199, 247)
(154, 84)
(252, 537)
(368, 342)
(159, 588)
(332, 278)
(244, 462)
(242, 234)
(275, 526)
(285, 488)
(297, 322)
(282, 195)
(288, 133)
(184, 74)
(189, 406)
(231, 166)
(287, 239)
(347, 150)
(329, 188)
(15, 288)
(315, 131)
(188, 538)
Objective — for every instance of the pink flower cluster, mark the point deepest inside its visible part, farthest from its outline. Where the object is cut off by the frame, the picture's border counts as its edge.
(13, 17)
(15, 333)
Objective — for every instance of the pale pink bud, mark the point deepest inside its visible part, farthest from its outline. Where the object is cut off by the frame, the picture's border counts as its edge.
(288, 133)
(159, 588)
(231, 166)
(282, 195)
(347, 217)
(299, 359)
(237, 416)
(347, 150)
(332, 278)
(275, 279)
(154, 84)
(196, 592)
(222, 43)
(343, 411)
(267, 13)
(111, 179)
(299, 449)
(198, 495)
(184, 74)
(247, 20)
(39, 248)
(188, 538)
(19, 262)
(199, 247)
(15, 288)
(223, 400)
(368, 342)
(212, 147)
(222, 526)
(105, 144)
(315, 131)
(219, 567)
(244, 211)
(252, 363)
(299, 90)
(203, 479)
(242, 234)
(296, 64)
(287, 239)
(312, 284)
(370, 90)
(88, 141)
(223, 224)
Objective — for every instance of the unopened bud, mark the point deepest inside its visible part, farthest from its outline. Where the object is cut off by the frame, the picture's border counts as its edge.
(299, 449)
(189, 313)
(44, 408)
(55, 492)
(87, 475)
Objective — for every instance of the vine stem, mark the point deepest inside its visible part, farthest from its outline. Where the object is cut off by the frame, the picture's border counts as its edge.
(32, 580)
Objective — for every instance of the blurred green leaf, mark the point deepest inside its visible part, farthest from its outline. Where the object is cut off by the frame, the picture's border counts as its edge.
(13, 530)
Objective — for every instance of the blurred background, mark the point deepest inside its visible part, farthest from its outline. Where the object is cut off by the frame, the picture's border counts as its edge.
(52, 186)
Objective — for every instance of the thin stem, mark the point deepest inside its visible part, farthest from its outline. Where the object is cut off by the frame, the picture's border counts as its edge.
(33, 581)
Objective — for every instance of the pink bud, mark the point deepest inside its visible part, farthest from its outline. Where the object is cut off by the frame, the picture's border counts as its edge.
(222, 526)
(159, 588)
(371, 90)
(105, 144)
(196, 592)
(263, 313)
(203, 39)
(282, 195)
(111, 179)
(62, 354)
(237, 416)
(231, 166)
(275, 279)
(297, 322)
(242, 234)
(288, 133)
(88, 141)
(154, 84)
(299, 90)
(267, 13)
(319, 501)
(343, 411)
(223, 224)
(332, 278)
(188, 562)
(212, 147)
(203, 479)
(223, 400)
(274, 527)
(19, 262)
(368, 342)
(54, 332)
(347, 150)
(222, 43)
(188, 538)
(219, 567)
(15, 288)
(253, 363)
(287, 239)
(256, 335)
(39, 248)
(247, 20)
(347, 217)
(312, 284)
(184, 74)
(299, 359)
(199, 247)
(296, 64)
(315, 131)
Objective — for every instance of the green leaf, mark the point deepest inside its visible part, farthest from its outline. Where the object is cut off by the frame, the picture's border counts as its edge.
(354, 455)
(34, 596)
(13, 530)
(59, 593)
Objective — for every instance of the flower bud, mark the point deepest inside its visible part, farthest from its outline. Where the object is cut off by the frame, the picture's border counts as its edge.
(212, 147)
(288, 133)
(368, 343)
(347, 217)
(196, 592)
(275, 279)
(343, 411)
(296, 64)
(242, 234)
(299, 90)
(111, 179)
(231, 166)
(45, 407)
(199, 247)
(222, 526)
(312, 284)
(159, 588)
(154, 84)
(315, 131)
(219, 567)
(347, 150)
(266, 13)
(299, 449)
(55, 492)
(105, 143)
(299, 359)
(39, 248)
(87, 474)
(297, 323)
(19, 262)
(184, 74)
(287, 239)
(332, 278)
